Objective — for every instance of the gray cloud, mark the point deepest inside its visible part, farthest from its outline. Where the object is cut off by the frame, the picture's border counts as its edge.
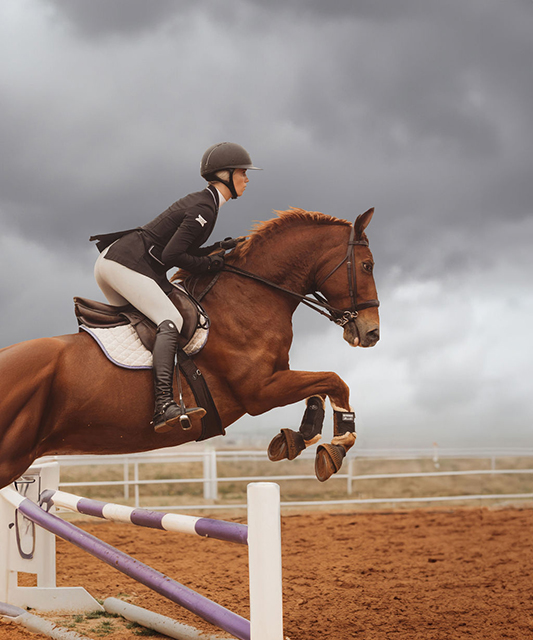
(100, 18)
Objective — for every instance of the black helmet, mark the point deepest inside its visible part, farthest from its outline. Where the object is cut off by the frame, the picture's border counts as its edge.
(224, 155)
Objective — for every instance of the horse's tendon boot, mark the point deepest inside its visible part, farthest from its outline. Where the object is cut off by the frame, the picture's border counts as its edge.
(329, 457)
(343, 422)
(313, 420)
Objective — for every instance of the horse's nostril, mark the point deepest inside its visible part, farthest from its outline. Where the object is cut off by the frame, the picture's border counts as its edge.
(373, 335)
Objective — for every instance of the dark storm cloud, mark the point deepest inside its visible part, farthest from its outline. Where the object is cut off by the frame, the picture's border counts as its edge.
(421, 109)
(99, 18)
(420, 91)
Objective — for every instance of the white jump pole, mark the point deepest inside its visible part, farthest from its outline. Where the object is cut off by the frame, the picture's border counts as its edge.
(36, 624)
(264, 556)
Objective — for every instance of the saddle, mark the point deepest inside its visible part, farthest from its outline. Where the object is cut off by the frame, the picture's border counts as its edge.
(98, 315)
(104, 316)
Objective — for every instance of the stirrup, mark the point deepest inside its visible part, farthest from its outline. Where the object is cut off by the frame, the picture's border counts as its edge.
(176, 415)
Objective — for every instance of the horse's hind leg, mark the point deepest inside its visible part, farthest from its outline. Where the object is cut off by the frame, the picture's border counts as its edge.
(289, 444)
(16, 455)
(26, 372)
(329, 457)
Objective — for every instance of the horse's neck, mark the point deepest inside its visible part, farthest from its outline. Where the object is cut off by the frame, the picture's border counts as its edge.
(289, 260)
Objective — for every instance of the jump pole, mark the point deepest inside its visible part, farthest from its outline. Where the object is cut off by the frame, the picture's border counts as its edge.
(264, 542)
(38, 625)
(262, 535)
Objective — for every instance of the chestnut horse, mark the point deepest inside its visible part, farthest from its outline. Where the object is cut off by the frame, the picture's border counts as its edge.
(61, 395)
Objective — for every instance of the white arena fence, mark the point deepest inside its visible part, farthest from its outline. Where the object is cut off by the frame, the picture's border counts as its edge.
(209, 458)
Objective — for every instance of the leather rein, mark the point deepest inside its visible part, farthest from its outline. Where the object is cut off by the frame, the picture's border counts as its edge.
(319, 302)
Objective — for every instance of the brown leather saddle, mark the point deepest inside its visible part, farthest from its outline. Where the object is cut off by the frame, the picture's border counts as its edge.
(100, 315)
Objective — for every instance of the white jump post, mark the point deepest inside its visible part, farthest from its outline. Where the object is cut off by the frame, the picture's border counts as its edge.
(264, 558)
(26, 548)
(36, 554)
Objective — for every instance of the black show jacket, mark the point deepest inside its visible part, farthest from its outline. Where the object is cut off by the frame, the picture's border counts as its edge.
(173, 239)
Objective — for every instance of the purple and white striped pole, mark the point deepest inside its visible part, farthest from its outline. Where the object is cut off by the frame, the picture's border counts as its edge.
(178, 593)
(205, 527)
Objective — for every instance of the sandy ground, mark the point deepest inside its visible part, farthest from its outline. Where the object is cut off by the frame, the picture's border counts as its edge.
(465, 573)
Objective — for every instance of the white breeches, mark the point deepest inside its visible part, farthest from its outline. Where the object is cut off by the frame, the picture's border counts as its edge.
(121, 285)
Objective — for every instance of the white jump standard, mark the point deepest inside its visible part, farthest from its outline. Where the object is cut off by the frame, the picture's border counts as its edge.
(262, 535)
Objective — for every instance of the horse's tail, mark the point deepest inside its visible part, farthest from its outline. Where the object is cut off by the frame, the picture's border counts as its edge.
(27, 371)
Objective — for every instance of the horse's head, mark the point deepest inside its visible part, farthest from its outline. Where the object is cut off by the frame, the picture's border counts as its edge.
(347, 281)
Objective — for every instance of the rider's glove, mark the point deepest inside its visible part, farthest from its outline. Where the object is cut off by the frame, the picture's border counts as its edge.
(230, 243)
(216, 262)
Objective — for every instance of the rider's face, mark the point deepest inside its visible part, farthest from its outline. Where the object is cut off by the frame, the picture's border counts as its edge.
(240, 180)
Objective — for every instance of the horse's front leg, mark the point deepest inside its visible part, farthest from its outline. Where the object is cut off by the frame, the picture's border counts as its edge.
(289, 444)
(288, 387)
(329, 457)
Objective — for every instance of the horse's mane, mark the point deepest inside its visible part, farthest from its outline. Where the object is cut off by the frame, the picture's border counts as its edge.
(261, 231)
(286, 220)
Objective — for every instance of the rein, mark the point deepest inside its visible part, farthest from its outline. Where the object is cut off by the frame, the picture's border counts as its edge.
(314, 304)
(318, 303)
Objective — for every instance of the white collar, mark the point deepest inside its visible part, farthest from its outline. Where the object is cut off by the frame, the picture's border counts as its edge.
(221, 199)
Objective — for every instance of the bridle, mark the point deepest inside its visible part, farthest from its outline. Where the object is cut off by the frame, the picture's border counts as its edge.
(342, 317)
(319, 302)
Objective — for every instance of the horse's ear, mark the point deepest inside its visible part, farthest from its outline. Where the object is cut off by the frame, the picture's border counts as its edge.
(362, 222)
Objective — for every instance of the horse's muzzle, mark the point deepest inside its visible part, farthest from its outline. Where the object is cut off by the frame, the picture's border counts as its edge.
(361, 336)
(371, 337)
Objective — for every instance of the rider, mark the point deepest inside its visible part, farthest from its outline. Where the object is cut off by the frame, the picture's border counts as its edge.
(132, 265)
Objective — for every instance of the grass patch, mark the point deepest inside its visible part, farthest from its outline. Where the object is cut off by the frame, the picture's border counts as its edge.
(105, 628)
(139, 630)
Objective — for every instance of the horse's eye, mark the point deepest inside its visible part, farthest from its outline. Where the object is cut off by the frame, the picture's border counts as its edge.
(368, 266)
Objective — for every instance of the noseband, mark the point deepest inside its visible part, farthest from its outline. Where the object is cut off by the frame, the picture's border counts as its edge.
(319, 302)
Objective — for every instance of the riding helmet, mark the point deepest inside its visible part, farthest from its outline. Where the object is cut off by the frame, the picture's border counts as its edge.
(224, 155)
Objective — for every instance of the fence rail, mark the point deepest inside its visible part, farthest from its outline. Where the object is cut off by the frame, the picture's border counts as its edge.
(211, 479)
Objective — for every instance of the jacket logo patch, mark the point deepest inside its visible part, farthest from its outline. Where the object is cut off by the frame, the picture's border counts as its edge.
(201, 220)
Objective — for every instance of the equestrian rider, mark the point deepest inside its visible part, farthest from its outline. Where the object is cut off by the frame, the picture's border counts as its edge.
(132, 265)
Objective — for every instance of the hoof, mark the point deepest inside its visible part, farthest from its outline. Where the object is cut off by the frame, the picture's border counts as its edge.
(287, 445)
(328, 460)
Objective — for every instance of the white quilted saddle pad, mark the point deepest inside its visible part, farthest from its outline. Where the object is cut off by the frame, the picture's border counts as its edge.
(123, 346)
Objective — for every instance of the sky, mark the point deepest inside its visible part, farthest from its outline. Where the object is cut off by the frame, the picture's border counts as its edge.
(419, 108)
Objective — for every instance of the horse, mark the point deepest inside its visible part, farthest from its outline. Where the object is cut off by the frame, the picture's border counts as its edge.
(61, 395)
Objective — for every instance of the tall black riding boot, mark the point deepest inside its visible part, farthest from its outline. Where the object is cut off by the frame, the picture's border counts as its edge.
(167, 413)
